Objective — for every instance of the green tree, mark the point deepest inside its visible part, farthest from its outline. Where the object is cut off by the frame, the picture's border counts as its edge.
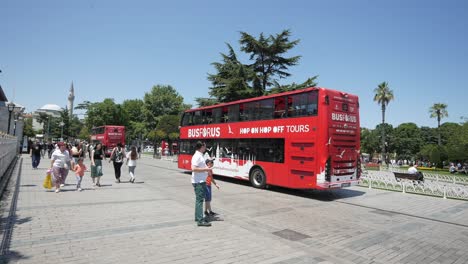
(407, 140)
(234, 80)
(428, 135)
(369, 141)
(438, 110)
(28, 128)
(84, 133)
(168, 128)
(105, 113)
(162, 100)
(231, 82)
(383, 96)
(135, 112)
(84, 105)
(277, 88)
(268, 56)
(432, 153)
(45, 120)
(455, 139)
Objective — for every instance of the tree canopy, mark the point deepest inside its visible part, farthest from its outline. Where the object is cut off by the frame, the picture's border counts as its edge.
(268, 64)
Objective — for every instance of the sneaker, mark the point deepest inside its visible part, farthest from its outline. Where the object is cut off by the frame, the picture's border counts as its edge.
(132, 180)
(203, 223)
(79, 189)
(117, 181)
(98, 184)
(94, 185)
(213, 213)
(62, 185)
(57, 190)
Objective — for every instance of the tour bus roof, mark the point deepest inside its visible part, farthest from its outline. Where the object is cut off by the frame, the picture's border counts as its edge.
(259, 98)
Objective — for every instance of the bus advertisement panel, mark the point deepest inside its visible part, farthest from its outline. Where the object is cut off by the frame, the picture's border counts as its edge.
(304, 139)
(109, 136)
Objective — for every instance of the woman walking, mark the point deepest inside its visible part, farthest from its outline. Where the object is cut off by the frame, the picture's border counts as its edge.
(117, 157)
(97, 155)
(68, 166)
(59, 165)
(77, 152)
(132, 157)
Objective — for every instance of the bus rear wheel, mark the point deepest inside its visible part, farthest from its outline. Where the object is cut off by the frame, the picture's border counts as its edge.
(258, 178)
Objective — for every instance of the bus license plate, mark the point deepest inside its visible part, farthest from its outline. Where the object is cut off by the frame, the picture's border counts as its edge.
(346, 184)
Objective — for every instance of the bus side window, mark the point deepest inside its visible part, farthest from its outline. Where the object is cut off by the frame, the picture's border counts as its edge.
(312, 101)
(266, 109)
(224, 115)
(197, 118)
(280, 109)
(243, 112)
(187, 119)
(208, 118)
(217, 115)
(233, 113)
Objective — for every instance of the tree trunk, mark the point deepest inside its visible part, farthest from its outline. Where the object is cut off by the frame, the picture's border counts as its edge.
(383, 134)
(438, 129)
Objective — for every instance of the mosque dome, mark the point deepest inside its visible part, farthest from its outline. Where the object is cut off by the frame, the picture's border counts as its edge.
(51, 107)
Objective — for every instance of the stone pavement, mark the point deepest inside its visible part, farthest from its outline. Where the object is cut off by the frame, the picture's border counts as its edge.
(152, 221)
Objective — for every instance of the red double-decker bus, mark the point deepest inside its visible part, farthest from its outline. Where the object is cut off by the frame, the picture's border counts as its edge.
(304, 139)
(109, 136)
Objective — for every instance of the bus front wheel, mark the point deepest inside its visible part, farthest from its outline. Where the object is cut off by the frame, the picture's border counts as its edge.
(258, 178)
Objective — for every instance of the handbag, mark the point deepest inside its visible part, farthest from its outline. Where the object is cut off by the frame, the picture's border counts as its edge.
(48, 180)
(113, 156)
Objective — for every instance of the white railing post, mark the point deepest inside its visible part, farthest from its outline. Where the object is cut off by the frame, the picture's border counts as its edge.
(445, 192)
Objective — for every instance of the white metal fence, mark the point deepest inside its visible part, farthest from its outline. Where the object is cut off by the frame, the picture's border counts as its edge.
(446, 186)
(8, 150)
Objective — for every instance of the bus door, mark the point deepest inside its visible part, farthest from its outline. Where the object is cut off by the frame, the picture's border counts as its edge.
(302, 162)
(343, 156)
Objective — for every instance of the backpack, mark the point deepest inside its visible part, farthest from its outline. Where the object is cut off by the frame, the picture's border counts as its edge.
(118, 155)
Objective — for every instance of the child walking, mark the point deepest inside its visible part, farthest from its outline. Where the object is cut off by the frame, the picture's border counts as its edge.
(79, 169)
(209, 180)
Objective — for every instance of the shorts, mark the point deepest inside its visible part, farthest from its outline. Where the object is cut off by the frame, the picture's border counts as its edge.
(208, 193)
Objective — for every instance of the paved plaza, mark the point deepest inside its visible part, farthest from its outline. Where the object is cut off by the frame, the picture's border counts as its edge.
(152, 221)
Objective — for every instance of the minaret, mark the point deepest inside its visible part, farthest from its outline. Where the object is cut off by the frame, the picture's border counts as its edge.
(71, 98)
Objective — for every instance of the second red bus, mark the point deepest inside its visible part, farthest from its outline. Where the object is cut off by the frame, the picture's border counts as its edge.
(109, 136)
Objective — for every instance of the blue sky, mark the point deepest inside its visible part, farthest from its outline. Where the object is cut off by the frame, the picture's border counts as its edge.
(120, 49)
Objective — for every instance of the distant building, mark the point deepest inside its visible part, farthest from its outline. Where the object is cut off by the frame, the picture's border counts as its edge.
(52, 110)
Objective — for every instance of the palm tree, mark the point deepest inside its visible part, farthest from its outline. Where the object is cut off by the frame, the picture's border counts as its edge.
(438, 110)
(383, 96)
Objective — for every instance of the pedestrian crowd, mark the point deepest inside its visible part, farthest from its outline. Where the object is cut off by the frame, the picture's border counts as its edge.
(65, 157)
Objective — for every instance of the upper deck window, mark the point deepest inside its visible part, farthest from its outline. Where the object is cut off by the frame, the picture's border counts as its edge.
(303, 104)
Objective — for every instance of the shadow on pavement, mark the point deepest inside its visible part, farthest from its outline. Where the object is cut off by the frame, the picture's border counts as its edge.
(8, 223)
(12, 256)
(322, 195)
(28, 185)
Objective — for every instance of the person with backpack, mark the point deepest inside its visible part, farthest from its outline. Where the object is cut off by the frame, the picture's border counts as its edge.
(117, 157)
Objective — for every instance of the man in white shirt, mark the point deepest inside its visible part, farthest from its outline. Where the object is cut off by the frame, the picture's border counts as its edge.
(413, 169)
(199, 174)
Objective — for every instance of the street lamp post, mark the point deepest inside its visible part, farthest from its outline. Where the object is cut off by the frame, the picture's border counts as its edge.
(11, 107)
(48, 127)
(18, 118)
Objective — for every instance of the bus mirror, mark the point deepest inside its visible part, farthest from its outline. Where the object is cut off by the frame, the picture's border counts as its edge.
(327, 100)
